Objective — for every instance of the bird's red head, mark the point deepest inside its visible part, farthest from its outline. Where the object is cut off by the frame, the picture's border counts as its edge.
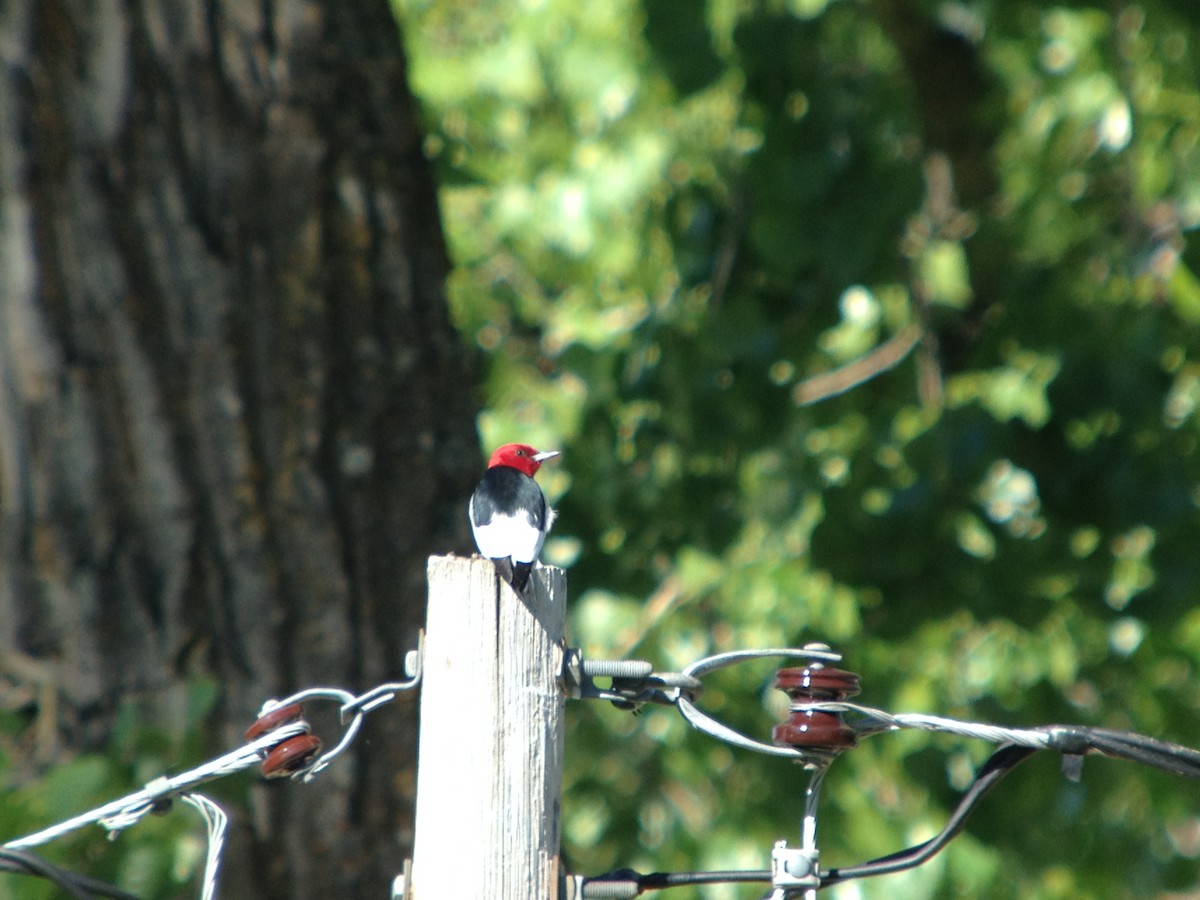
(521, 457)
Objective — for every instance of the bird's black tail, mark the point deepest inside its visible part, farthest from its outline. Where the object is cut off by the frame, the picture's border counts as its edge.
(520, 576)
(515, 573)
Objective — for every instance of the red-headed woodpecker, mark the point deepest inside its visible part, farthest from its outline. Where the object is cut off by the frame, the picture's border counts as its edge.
(509, 513)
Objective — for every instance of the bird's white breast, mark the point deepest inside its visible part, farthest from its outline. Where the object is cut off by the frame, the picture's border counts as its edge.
(510, 535)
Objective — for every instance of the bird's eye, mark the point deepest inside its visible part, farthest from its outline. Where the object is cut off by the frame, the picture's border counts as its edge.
(520, 453)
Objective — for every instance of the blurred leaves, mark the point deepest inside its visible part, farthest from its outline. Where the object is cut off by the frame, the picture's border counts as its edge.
(673, 222)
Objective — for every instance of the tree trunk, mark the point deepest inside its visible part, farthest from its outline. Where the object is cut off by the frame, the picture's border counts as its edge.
(234, 416)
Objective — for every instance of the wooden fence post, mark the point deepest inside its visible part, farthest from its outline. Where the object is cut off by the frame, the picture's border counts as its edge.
(489, 767)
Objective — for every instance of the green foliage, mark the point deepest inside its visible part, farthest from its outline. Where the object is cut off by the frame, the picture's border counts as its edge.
(160, 856)
(666, 217)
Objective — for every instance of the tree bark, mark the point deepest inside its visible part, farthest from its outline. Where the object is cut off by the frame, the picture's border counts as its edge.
(234, 416)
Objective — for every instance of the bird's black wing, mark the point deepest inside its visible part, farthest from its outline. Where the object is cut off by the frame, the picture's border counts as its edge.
(506, 491)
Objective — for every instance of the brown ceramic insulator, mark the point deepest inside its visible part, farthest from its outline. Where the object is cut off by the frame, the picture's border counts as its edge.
(815, 729)
(276, 718)
(818, 683)
(810, 729)
(291, 756)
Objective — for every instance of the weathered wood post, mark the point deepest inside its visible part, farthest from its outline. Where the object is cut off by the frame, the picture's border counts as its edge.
(489, 767)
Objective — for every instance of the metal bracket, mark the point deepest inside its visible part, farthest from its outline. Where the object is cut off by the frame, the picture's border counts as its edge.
(794, 868)
(634, 681)
(402, 883)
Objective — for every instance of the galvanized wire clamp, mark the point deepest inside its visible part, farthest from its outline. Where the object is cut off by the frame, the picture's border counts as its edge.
(634, 683)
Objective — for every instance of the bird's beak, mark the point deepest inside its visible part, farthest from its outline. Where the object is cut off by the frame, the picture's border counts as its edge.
(545, 455)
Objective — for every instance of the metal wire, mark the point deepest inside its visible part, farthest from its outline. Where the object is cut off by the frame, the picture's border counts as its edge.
(215, 822)
(633, 682)
(119, 814)
(1017, 744)
(123, 812)
(997, 766)
(23, 862)
(352, 707)
(876, 721)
